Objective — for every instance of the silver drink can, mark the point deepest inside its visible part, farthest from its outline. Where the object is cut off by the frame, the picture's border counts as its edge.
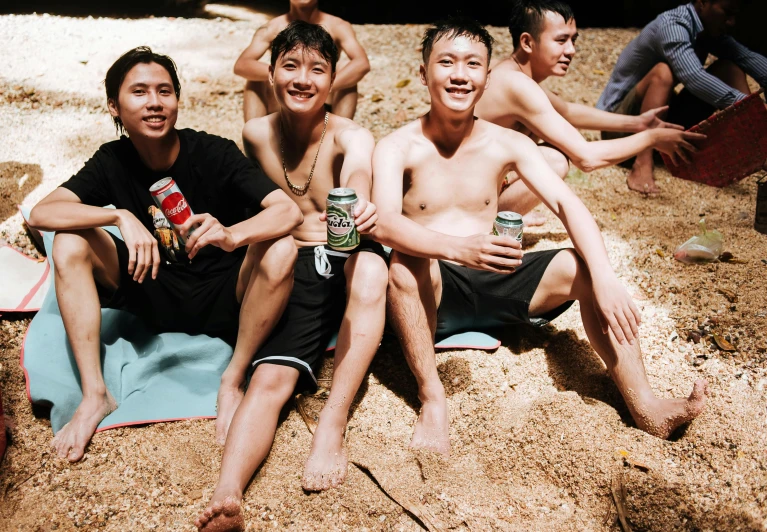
(342, 232)
(509, 223)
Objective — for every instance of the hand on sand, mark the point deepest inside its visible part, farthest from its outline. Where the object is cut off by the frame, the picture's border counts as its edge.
(662, 417)
(615, 309)
(652, 119)
(327, 463)
(70, 442)
(224, 514)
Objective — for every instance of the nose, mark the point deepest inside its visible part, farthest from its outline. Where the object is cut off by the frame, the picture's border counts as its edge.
(570, 49)
(459, 74)
(302, 78)
(153, 100)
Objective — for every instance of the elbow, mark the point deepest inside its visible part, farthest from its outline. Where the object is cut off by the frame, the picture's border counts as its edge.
(238, 69)
(586, 164)
(295, 216)
(365, 67)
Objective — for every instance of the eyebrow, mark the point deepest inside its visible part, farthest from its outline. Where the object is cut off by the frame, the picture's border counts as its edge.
(451, 55)
(142, 84)
(563, 35)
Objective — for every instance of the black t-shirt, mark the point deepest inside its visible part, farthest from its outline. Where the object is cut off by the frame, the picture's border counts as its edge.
(212, 174)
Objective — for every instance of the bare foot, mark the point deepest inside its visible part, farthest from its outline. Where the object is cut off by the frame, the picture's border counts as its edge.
(223, 514)
(229, 398)
(641, 180)
(664, 416)
(533, 219)
(326, 466)
(71, 440)
(431, 429)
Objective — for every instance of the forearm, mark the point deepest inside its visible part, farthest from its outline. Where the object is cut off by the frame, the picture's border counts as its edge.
(70, 216)
(585, 117)
(351, 74)
(598, 154)
(360, 183)
(411, 238)
(252, 70)
(273, 222)
(586, 237)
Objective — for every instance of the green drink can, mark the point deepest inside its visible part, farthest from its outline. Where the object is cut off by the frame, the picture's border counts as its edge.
(342, 233)
(509, 223)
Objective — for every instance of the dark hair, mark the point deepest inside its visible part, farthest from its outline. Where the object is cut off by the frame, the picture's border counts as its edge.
(120, 68)
(453, 27)
(305, 36)
(527, 16)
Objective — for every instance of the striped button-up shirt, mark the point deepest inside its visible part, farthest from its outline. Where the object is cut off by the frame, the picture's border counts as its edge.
(673, 38)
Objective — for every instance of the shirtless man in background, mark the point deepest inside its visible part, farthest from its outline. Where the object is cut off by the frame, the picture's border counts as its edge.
(308, 152)
(544, 35)
(258, 98)
(436, 187)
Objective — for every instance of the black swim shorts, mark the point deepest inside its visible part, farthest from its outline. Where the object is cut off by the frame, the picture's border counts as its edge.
(179, 300)
(313, 313)
(477, 300)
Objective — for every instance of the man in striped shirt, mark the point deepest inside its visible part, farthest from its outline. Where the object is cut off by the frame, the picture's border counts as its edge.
(672, 49)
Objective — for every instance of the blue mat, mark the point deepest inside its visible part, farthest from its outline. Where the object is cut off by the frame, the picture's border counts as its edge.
(153, 378)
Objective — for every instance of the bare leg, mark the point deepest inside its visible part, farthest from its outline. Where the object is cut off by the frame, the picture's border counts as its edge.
(358, 340)
(567, 279)
(415, 289)
(258, 99)
(344, 102)
(250, 438)
(83, 258)
(263, 287)
(518, 198)
(731, 74)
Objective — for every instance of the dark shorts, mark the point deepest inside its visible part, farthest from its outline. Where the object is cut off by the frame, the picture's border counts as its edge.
(178, 300)
(477, 300)
(313, 313)
(630, 105)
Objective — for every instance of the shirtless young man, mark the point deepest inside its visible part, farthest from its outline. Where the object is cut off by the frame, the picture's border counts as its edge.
(242, 268)
(544, 35)
(258, 98)
(308, 152)
(436, 187)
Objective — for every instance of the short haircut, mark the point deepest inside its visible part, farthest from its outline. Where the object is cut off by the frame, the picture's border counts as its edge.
(305, 36)
(527, 16)
(120, 68)
(452, 27)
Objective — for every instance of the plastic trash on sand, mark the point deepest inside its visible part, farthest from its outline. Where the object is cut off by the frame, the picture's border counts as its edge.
(702, 248)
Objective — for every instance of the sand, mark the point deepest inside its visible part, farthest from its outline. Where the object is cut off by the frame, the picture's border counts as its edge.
(540, 434)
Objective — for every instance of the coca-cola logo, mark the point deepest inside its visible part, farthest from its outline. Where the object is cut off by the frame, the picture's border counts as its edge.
(176, 209)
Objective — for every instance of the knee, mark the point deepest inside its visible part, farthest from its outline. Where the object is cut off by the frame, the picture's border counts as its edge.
(369, 279)
(402, 278)
(559, 162)
(69, 248)
(661, 74)
(572, 271)
(279, 259)
(274, 383)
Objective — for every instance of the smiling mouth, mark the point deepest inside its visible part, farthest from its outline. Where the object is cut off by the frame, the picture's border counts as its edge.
(155, 119)
(301, 95)
(454, 90)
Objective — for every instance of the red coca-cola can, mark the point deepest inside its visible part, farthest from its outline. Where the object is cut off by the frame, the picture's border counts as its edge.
(172, 203)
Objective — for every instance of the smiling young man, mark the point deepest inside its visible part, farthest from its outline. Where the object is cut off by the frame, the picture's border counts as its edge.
(259, 99)
(672, 49)
(435, 185)
(236, 266)
(308, 151)
(544, 36)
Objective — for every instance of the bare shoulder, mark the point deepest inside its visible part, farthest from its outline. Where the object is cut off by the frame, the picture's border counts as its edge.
(504, 139)
(335, 25)
(348, 132)
(275, 26)
(257, 131)
(402, 140)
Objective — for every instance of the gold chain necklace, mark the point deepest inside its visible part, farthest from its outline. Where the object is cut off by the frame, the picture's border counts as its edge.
(295, 189)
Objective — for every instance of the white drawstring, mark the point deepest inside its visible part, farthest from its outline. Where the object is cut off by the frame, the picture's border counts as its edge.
(321, 262)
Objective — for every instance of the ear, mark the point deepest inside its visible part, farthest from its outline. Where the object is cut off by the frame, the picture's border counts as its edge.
(333, 79)
(526, 42)
(113, 109)
(422, 74)
(487, 81)
(271, 75)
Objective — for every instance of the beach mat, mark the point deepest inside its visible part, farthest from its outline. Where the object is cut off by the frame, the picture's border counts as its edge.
(23, 281)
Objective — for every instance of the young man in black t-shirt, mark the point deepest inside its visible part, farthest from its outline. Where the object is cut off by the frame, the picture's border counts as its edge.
(236, 267)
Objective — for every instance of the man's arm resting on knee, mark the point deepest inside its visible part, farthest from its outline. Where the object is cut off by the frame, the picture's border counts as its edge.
(62, 210)
(585, 117)
(537, 113)
(358, 65)
(248, 65)
(487, 252)
(617, 310)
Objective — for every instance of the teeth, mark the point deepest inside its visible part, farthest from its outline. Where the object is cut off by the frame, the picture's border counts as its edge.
(155, 119)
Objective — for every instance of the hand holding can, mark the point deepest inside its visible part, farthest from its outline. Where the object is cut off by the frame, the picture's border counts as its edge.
(342, 231)
(169, 199)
